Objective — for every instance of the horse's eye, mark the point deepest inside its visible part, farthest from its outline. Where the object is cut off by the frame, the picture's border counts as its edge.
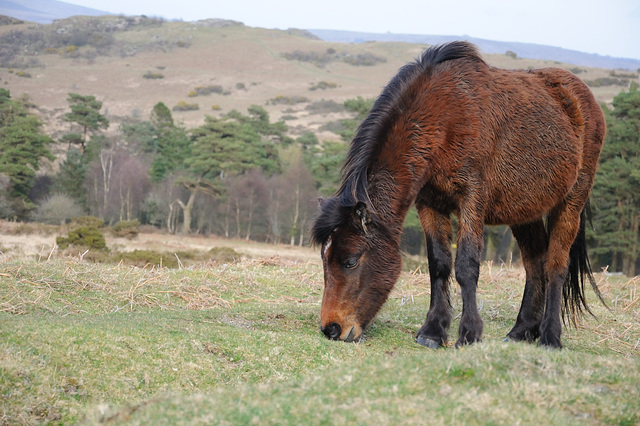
(352, 263)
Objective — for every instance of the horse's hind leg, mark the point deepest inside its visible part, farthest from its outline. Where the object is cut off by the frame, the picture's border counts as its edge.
(533, 243)
(437, 229)
(564, 224)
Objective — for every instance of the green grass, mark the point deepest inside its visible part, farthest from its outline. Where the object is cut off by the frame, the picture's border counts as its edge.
(238, 343)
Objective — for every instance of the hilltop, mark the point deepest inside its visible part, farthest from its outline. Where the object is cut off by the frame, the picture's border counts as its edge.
(525, 50)
(131, 63)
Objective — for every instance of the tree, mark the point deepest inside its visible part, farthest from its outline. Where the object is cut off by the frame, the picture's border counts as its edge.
(360, 107)
(22, 147)
(85, 112)
(57, 209)
(161, 117)
(173, 147)
(247, 196)
(616, 193)
(325, 163)
(300, 200)
(227, 146)
(70, 177)
(131, 184)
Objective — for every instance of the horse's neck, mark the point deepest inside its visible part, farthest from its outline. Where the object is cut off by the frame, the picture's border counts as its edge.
(396, 178)
(390, 201)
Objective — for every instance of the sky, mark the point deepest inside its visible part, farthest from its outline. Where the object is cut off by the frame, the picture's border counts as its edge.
(605, 27)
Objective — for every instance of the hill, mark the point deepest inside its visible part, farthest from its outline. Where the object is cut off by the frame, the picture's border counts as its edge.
(523, 50)
(131, 63)
(44, 11)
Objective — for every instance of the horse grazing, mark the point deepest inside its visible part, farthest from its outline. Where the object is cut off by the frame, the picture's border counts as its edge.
(453, 135)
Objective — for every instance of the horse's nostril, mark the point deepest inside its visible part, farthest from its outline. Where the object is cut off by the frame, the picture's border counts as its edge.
(332, 331)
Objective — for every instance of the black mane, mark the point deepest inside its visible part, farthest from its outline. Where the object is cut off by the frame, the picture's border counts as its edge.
(354, 184)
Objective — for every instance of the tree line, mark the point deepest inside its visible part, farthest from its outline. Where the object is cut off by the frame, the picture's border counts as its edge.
(242, 176)
(239, 175)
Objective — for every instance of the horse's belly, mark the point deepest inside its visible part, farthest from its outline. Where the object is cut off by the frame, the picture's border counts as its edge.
(522, 191)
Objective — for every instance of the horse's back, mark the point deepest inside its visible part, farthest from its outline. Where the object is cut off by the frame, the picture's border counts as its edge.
(536, 136)
(578, 103)
(587, 121)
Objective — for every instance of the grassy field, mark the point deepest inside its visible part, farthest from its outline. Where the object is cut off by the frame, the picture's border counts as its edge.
(239, 343)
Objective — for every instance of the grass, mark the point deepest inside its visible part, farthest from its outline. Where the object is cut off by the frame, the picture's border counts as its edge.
(238, 343)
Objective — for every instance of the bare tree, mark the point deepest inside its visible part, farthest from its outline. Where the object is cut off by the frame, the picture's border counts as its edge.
(117, 183)
(300, 188)
(276, 190)
(132, 183)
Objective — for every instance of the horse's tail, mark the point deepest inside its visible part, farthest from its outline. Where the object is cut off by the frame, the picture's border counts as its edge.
(575, 302)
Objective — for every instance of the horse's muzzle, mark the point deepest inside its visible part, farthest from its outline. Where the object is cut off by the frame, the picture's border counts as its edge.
(333, 332)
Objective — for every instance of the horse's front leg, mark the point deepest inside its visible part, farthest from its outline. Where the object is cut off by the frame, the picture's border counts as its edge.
(467, 269)
(437, 230)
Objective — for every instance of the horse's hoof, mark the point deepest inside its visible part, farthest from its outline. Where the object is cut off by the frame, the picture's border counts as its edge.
(551, 347)
(429, 343)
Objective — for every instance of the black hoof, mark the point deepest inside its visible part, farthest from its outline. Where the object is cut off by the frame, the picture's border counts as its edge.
(429, 343)
(551, 346)
(465, 342)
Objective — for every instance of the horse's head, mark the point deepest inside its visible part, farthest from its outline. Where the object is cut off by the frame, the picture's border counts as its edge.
(361, 263)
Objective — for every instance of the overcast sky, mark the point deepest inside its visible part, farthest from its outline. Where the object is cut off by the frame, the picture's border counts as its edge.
(606, 27)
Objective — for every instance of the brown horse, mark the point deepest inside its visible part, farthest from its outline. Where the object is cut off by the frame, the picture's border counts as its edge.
(453, 135)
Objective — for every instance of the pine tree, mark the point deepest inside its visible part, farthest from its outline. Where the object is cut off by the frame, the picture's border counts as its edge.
(85, 112)
(616, 193)
(230, 145)
(22, 147)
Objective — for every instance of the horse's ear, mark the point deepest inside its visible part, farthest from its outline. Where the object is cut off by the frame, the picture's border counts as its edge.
(320, 201)
(362, 217)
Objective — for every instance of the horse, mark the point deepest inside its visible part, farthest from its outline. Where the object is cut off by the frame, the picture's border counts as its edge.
(454, 136)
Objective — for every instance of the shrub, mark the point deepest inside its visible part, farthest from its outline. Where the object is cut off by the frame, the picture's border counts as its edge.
(323, 85)
(224, 255)
(57, 209)
(288, 100)
(325, 106)
(153, 75)
(363, 59)
(142, 258)
(85, 236)
(185, 106)
(207, 90)
(71, 51)
(322, 59)
(606, 81)
(126, 229)
(622, 74)
(23, 74)
(90, 221)
(22, 228)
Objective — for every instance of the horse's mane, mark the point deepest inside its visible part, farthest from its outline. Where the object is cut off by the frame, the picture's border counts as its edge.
(354, 185)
